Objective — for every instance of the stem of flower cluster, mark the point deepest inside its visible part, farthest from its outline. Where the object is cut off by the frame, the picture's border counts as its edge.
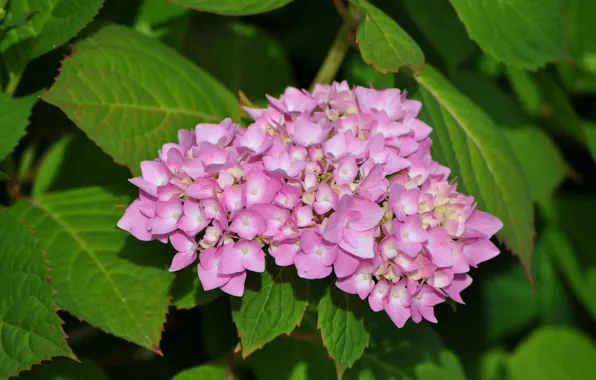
(337, 52)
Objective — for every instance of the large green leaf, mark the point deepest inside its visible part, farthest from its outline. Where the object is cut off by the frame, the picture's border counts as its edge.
(412, 352)
(53, 23)
(31, 329)
(294, 360)
(383, 43)
(247, 58)
(273, 304)
(522, 33)
(466, 140)
(131, 94)
(64, 369)
(233, 7)
(102, 274)
(203, 372)
(14, 119)
(443, 30)
(554, 353)
(343, 328)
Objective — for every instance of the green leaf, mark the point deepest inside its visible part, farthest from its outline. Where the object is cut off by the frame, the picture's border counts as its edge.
(16, 20)
(294, 360)
(165, 21)
(542, 162)
(188, 291)
(522, 33)
(54, 23)
(412, 352)
(14, 119)
(554, 353)
(383, 43)
(527, 90)
(203, 372)
(64, 369)
(247, 58)
(478, 154)
(359, 73)
(443, 30)
(342, 325)
(156, 12)
(509, 287)
(102, 274)
(492, 364)
(233, 7)
(130, 94)
(273, 304)
(31, 329)
(61, 168)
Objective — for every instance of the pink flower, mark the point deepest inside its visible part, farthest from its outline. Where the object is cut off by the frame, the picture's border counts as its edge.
(187, 251)
(248, 224)
(317, 256)
(241, 256)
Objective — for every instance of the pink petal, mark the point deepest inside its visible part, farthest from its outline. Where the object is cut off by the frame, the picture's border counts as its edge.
(235, 287)
(480, 251)
(135, 222)
(231, 260)
(458, 284)
(310, 267)
(182, 260)
(377, 296)
(345, 264)
(482, 224)
(211, 279)
(248, 224)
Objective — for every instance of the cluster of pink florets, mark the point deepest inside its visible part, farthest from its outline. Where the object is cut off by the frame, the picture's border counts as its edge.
(338, 180)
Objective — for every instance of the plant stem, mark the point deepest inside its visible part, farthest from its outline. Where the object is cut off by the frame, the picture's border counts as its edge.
(337, 52)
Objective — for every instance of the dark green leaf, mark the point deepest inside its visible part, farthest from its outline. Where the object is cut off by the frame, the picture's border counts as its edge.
(383, 43)
(219, 333)
(64, 369)
(359, 73)
(102, 274)
(528, 92)
(188, 291)
(492, 365)
(522, 33)
(233, 7)
(31, 329)
(14, 119)
(3, 177)
(294, 360)
(438, 21)
(131, 94)
(16, 20)
(342, 325)
(163, 20)
(247, 58)
(273, 304)
(554, 353)
(478, 154)
(204, 372)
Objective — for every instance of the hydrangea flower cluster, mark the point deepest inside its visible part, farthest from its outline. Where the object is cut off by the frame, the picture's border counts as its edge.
(339, 181)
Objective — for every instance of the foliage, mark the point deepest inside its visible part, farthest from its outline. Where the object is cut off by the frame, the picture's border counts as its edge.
(90, 88)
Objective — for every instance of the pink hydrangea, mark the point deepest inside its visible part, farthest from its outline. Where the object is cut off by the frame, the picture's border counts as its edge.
(339, 181)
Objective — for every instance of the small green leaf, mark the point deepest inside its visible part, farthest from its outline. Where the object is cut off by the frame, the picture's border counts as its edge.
(14, 119)
(273, 304)
(294, 360)
(478, 154)
(247, 58)
(102, 274)
(383, 43)
(342, 325)
(233, 7)
(554, 353)
(64, 369)
(203, 372)
(525, 34)
(412, 352)
(130, 94)
(188, 291)
(443, 30)
(31, 329)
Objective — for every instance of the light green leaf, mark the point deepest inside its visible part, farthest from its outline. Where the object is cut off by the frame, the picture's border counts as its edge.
(156, 12)
(492, 364)
(130, 94)
(188, 291)
(412, 352)
(478, 154)
(383, 43)
(509, 287)
(14, 119)
(102, 274)
(522, 33)
(64, 369)
(31, 329)
(248, 59)
(438, 21)
(273, 304)
(233, 7)
(294, 360)
(343, 328)
(554, 353)
(54, 23)
(203, 372)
